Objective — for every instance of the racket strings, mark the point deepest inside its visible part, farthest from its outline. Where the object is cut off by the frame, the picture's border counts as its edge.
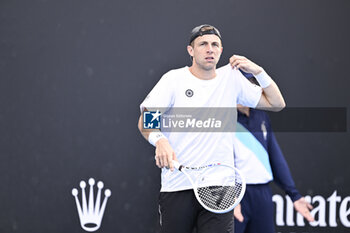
(220, 197)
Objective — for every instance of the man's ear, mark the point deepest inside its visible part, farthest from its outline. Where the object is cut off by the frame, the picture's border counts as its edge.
(190, 50)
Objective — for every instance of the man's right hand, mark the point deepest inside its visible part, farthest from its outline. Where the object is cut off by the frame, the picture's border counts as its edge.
(164, 154)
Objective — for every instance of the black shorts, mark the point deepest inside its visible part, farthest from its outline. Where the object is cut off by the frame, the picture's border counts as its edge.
(180, 212)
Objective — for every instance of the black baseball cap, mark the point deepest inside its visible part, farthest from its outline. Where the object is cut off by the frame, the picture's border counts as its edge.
(203, 29)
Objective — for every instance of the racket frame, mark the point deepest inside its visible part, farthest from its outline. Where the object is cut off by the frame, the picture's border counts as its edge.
(183, 169)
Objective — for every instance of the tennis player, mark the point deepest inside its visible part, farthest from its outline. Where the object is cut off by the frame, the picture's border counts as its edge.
(201, 85)
(260, 159)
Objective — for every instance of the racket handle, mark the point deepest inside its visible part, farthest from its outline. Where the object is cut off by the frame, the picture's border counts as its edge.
(176, 164)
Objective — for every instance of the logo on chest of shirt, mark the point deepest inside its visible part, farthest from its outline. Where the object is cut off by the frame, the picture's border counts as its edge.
(189, 93)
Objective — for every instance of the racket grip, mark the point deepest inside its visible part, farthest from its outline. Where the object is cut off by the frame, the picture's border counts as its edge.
(176, 164)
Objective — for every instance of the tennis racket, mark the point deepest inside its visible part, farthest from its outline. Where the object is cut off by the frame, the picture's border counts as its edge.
(218, 187)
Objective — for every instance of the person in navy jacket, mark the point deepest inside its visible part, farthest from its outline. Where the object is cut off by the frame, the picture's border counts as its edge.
(259, 157)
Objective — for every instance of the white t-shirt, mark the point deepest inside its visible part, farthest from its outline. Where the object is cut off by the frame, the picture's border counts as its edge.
(179, 88)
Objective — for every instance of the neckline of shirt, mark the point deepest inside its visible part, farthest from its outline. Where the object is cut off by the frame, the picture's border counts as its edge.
(203, 82)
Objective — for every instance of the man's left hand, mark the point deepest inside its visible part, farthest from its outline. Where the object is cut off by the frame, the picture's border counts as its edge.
(243, 63)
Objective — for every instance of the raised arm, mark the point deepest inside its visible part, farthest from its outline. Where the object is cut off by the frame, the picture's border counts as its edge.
(271, 98)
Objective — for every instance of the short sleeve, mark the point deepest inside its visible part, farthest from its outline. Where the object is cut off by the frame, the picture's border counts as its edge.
(161, 96)
(249, 94)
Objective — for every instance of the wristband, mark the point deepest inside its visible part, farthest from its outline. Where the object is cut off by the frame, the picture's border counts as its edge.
(263, 79)
(153, 137)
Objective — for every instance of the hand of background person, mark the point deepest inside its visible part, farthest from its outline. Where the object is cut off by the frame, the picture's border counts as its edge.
(164, 154)
(243, 63)
(304, 207)
(238, 213)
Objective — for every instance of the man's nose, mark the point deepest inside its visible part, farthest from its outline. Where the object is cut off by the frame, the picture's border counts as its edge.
(209, 49)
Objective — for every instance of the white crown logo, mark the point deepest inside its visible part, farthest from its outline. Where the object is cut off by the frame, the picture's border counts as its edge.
(90, 214)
